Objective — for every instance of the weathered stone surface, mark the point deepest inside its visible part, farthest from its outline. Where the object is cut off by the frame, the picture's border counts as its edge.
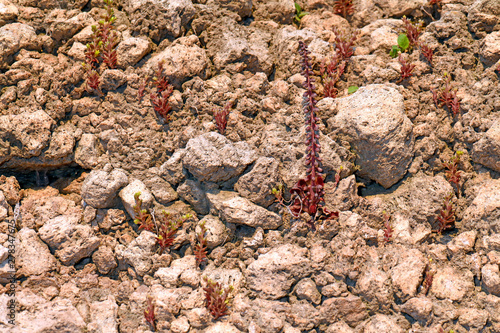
(473, 319)
(161, 190)
(406, 275)
(491, 278)
(112, 79)
(237, 48)
(273, 273)
(339, 327)
(373, 120)
(70, 240)
(212, 157)
(56, 316)
(127, 195)
(8, 12)
(63, 28)
(463, 242)
(235, 209)
(483, 214)
(306, 289)
(484, 17)
(32, 255)
(242, 7)
(131, 50)
(486, 151)
(11, 189)
(100, 188)
(171, 170)
(280, 11)
(258, 183)
(138, 253)
(104, 259)
(183, 60)
(419, 308)
(159, 18)
(420, 198)
(13, 37)
(373, 282)
(170, 276)
(103, 316)
(350, 309)
(452, 283)
(113, 219)
(382, 323)
(192, 192)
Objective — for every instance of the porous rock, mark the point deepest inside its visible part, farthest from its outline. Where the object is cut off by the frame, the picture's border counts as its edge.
(373, 121)
(100, 188)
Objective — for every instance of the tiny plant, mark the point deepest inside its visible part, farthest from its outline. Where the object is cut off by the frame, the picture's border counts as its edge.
(427, 52)
(149, 313)
(165, 233)
(412, 31)
(331, 70)
(428, 278)
(299, 14)
(452, 173)
(308, 193)
(216, 298)
(221, 116)
(446, 217)
(103, 43)
(143, 218)
(447, 96)
(159, 98)
(352, 89)
(387, 227)
(200, 248)
(168, 229)
(403, 44)
(406, 68)
(343, 8)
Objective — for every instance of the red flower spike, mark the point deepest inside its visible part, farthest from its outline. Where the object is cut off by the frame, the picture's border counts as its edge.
(308, 193)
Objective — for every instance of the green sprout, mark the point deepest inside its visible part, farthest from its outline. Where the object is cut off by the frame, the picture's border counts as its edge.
(299, 14)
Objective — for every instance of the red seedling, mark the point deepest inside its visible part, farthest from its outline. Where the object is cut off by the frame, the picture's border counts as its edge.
(308, 193)
(427, 52)
(221, 117)
(330, 74)
(448, 97)
(344, 43)
(143, 218)
(200, 248)
(446, 217)
(412, 31)
(159, 99)
(167, 230)
(406, 68)
(452, 173)
(149, 313)
(108, 36)
(429, 277)
(216, 298)
(343, 7)
(388, 229)
(436, 2)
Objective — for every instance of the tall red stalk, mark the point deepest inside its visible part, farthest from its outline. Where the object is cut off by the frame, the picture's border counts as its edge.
(309, 192)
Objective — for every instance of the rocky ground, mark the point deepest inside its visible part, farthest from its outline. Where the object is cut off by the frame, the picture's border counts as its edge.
(71, 160)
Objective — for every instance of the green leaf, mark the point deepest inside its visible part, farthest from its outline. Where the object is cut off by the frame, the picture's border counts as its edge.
(403, 42)
(301, 15)
(394, 51)
(297, 8)
(352, 89)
